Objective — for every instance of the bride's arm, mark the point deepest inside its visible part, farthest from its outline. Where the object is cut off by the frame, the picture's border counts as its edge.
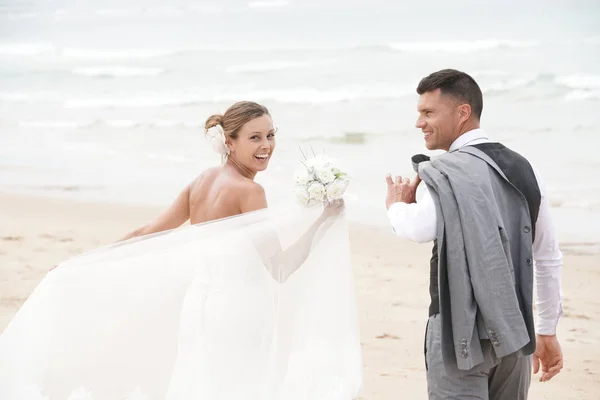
(173, 217)
(282, 263)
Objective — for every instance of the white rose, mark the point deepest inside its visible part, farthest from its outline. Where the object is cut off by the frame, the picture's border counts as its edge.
(325, 175)
(302, 176)
(216, 136)
(336, 189)
(302, 195)
(316, 191)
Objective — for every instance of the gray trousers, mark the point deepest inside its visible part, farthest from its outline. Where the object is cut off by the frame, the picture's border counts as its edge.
(507, 380)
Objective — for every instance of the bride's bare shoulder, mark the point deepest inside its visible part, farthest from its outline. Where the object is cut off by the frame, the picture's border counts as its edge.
(224, 183)
(248, 187)
(251, 196)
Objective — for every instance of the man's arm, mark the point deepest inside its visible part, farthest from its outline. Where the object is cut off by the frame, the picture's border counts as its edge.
(414, 221)
(547, 271)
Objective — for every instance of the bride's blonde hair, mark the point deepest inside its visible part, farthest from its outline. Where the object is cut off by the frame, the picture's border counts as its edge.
(235, 117)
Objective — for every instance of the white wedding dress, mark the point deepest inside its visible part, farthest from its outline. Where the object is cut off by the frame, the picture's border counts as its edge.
(210, 311)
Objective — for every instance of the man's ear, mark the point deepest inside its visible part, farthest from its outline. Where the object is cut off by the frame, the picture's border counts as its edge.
(464, 112)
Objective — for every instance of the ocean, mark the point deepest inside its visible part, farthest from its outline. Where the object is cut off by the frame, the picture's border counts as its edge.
(106, 100)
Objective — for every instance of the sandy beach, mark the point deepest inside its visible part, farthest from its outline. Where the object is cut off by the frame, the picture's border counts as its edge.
(391, 283)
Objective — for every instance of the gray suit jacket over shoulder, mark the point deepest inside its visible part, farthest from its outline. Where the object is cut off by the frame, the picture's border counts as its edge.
(485, 253)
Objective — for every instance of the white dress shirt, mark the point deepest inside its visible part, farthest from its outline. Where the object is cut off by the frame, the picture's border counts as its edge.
(417, 222)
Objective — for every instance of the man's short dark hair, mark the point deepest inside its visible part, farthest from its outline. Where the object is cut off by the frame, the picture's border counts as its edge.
(456, 84)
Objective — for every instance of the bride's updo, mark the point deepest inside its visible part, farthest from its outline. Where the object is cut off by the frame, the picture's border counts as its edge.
(235, 117)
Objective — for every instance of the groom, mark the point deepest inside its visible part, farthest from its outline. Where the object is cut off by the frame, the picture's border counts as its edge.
(487, 213)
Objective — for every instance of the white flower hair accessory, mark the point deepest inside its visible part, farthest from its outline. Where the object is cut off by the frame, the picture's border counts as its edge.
(216, 136)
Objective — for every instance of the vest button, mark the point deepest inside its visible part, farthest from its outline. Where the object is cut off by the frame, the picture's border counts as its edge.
(529, 261)
(527, 229)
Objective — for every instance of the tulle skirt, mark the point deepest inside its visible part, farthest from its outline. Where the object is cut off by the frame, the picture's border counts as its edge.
(196, 313)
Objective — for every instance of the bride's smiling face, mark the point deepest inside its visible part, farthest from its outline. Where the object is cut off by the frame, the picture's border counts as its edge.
(254, 144)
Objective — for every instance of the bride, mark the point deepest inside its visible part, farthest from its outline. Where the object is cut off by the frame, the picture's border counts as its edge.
(246, 302)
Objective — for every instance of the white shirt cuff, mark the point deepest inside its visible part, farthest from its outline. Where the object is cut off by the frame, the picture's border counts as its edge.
(546, 326)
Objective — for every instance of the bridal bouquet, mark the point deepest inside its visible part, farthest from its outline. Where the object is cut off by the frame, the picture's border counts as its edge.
(320, 181)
